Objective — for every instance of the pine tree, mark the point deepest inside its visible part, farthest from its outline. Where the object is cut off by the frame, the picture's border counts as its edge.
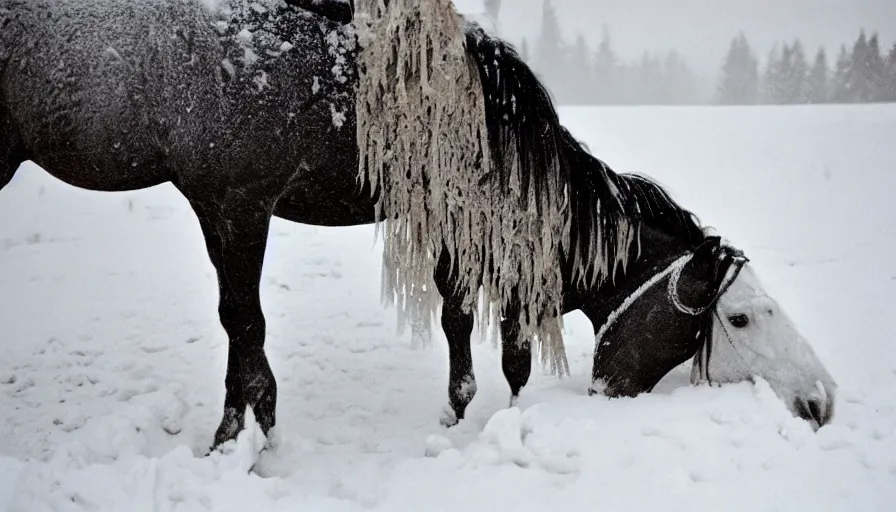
(796, 75)
(770, 79)
(492, 10)
(580, 74)
(890, 74)
(858, 82)
(550, 55)
(751, 75)
(524, 50)
(778, 76)
(840, 85)
(739, 83)
(782, 90)
(729, 84)
(875, 68)
(818, 79)
(678, 83)
(647, 80)
(606, 71)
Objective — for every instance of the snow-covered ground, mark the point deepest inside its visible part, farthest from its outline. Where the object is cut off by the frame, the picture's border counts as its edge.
(112, 360)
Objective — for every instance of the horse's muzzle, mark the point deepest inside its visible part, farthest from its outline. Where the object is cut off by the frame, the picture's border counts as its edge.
(818, 410)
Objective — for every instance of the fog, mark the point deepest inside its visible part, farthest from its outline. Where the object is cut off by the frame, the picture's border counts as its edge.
(701, 30)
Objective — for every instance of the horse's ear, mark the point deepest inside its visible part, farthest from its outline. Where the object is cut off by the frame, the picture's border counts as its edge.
(709, 247)
(709, 273)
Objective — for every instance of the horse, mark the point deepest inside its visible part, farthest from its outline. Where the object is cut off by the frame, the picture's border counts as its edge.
(248, 110)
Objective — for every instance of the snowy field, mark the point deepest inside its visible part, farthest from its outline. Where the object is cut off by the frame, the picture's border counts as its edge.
(112, 359)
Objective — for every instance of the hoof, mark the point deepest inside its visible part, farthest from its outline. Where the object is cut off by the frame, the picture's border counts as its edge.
(449, 417)
(598, 387)
(231, 425)
(514, 401)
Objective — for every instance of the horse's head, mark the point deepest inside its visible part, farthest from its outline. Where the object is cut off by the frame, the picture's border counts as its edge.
(709, 305)
(753, 336)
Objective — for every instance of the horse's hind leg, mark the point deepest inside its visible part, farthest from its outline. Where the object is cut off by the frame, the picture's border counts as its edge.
(458, 326)
(236, 236)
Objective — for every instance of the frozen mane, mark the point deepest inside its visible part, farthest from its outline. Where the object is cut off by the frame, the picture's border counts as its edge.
(605, 209)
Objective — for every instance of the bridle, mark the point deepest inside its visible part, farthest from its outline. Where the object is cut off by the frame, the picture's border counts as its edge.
(731, 274)
(673, 270)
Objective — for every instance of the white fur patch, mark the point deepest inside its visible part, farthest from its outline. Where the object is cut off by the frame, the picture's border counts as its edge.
(770, 347)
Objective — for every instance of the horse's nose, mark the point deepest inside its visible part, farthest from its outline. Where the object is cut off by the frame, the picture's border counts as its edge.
(818, 410)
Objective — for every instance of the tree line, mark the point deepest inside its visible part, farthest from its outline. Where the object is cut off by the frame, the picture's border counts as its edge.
(860, 75)
(578, 74)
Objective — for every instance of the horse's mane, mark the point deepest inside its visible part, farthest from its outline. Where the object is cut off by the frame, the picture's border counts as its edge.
(518, 204)
(606, 208)
(523, 127)
(524, 131)
(647, 200)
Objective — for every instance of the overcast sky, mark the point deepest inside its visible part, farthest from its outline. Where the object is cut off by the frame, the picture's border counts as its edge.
(702, 29)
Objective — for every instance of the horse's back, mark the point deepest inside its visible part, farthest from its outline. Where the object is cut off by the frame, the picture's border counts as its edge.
(123, 94)
(99, 88)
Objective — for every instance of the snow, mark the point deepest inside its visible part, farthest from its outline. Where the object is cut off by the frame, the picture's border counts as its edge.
(112, 360)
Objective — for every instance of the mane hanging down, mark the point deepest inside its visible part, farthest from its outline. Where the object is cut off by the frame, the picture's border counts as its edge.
(466, 150)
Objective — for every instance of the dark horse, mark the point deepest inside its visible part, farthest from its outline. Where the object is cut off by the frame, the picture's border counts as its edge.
(249, 111)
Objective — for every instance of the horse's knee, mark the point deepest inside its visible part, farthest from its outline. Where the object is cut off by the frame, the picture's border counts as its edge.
(245, 325)
(242, 319)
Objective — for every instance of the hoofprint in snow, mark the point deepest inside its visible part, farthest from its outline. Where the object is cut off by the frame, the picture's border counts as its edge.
(111, 356)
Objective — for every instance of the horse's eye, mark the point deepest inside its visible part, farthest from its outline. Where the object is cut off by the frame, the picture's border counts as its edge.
(739, 321)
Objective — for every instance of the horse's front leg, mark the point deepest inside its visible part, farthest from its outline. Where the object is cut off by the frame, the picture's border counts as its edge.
(516, 354)
(236, 234)
(458, 326)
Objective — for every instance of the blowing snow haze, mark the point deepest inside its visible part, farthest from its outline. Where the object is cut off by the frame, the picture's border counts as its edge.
(700, 31)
